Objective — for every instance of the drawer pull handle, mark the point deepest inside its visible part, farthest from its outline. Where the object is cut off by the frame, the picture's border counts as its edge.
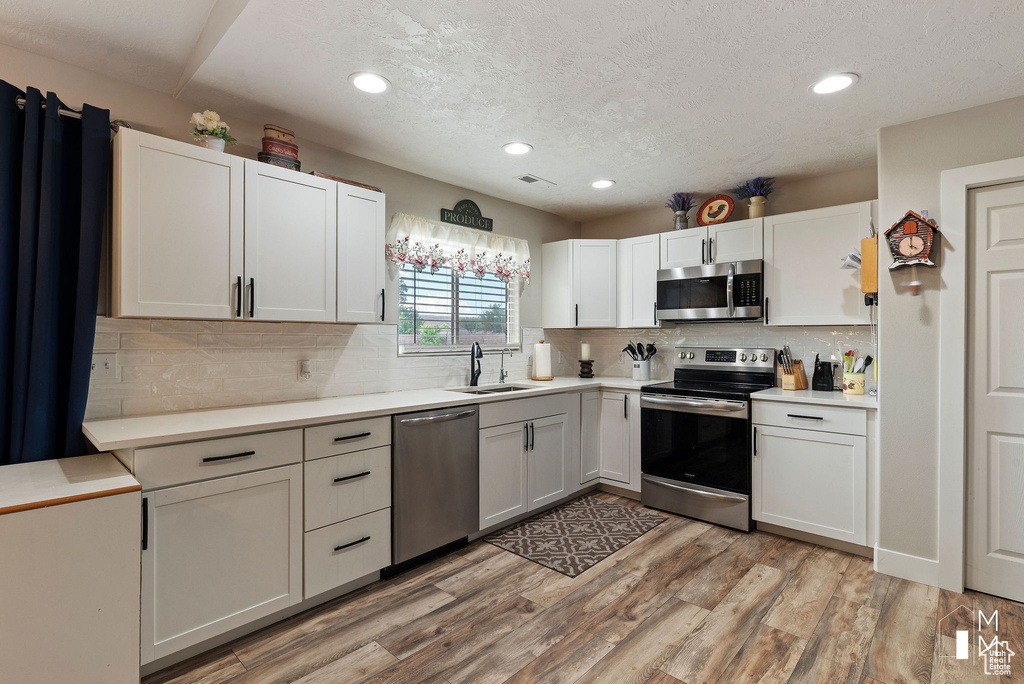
(351, 477)
(348, 437)
(357, 541)
(244, 454)
(797, 415)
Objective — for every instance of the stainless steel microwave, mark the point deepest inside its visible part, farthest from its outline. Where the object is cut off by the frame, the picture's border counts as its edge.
(727, 291)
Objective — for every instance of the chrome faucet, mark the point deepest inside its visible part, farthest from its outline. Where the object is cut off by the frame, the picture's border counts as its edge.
(475, 353)
(502, 373)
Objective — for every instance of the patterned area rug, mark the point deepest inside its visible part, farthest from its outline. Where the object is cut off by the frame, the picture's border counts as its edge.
(574, 536)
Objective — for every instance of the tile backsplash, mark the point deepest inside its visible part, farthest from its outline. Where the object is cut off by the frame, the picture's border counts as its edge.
(170, 365)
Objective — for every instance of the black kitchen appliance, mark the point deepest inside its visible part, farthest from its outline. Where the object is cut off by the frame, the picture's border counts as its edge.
(695, 434)
(726, 291)
(822, 379)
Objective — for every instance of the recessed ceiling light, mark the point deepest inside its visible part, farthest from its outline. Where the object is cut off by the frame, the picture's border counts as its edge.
(602, 184)
(517, 147)
(833, 84)
(369, 83)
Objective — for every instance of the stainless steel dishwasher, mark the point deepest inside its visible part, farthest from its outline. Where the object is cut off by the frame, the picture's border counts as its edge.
(435, 480)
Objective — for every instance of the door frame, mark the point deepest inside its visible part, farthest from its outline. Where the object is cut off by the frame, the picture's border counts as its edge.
(955, 186)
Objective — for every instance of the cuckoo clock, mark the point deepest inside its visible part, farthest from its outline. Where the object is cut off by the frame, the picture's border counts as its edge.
(911, 240)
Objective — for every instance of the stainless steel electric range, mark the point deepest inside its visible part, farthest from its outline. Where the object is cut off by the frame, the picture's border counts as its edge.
(695, 434)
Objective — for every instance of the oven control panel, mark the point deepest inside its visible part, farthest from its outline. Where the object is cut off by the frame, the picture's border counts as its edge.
(729, 359)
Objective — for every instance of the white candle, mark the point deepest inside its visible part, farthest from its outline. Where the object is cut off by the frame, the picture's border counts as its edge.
(585, 351)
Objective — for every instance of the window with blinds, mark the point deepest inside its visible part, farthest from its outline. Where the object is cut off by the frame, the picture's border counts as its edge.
(441, 313)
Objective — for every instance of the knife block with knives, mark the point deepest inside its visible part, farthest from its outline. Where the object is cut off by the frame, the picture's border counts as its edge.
(793, 375)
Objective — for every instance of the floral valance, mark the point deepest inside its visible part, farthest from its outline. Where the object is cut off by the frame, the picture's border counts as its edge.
(432, 245)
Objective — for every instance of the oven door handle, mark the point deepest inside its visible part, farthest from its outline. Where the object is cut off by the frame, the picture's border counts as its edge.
(728, 290)
(683, 404)
(698, 492)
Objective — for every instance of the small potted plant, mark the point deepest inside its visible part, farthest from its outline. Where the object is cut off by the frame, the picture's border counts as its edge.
(680, 203)
(757, 191)
(210, 130)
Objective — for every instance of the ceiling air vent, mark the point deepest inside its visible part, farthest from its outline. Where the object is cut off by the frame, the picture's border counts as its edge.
(530, 178)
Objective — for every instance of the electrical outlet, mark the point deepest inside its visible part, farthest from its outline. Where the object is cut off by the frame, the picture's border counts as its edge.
(561, 359)
(622, 358)
(104, 366)
(305, 372)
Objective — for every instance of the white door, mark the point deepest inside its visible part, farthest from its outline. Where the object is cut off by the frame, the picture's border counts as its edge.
(736, 241)
(503, 480)
(594, 284)
(590, 437)
(546, 461)
(615, 436)
(683, 248)
(178, 229)
(802, 279)
(811, 481)
(995, 397)
(637, 273)
(360, 255)
(219, 554)
(291, 239)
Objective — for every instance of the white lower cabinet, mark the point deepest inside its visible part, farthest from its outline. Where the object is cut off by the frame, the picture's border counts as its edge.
(610, 426)
(346, 551)
(811, 480)
(523, 467)
(590, 437)
(614, 431)
(219, 554)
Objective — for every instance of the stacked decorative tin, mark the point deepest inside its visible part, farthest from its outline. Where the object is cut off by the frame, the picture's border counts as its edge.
(279, 148)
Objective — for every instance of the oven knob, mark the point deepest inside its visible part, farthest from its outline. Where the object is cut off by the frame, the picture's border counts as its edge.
(743, 357)
(690, 355)
(764, 357)
(753, 358)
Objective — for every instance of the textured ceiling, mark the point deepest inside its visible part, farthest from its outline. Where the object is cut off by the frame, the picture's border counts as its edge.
(145, 42)
(660, 96)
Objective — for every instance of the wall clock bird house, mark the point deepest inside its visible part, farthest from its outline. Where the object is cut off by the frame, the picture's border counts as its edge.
(911, 240)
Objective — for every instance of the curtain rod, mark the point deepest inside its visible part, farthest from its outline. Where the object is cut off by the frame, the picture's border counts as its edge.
(63, 112)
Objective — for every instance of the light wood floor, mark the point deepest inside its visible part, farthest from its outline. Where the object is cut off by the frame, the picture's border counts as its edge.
(687, 602)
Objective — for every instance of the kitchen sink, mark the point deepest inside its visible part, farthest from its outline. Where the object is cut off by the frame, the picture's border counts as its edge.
(496, 389)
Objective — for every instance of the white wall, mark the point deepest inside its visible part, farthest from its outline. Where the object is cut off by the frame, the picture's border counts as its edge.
(911, 157)
(816, 192)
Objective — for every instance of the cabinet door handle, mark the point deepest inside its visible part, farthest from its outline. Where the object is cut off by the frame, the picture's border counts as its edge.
(357, 541)
(252, 298)
(145, 523)
(526, 436)
(625, 406)
(238, 299)
(577, 315)
(383, 303)
(755, 440)
(655, 313)
(533, 435)
(243, 454)
(766, 311)
(797, 415)
(348, 437)
(703, 248)
(711, 245)
(351, 477)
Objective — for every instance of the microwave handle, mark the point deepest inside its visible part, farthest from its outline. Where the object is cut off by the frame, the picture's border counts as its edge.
(728, 289)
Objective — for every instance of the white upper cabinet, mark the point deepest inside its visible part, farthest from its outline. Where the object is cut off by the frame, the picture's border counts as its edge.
(637, 273)
(716, 244)
(178, 229)
(290, 244)
(360, 255)
(579, 284)
(803, 283)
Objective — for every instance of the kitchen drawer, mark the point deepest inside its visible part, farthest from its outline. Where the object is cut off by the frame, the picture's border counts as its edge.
(342, 487)
(343, 438)
(346, 551)
(849, 421)
(164, 466)
(515, 410)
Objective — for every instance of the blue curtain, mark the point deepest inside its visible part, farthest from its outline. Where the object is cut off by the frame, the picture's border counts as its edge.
(53, 194)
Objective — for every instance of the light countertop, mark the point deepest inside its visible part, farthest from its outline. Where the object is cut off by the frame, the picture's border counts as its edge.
(863, 401)
(25, 486)
(139, 431)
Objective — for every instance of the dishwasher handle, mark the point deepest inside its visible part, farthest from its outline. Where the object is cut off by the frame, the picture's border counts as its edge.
(426, 420)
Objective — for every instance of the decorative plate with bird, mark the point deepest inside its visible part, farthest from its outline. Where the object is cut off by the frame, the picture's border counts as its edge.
(715, 210)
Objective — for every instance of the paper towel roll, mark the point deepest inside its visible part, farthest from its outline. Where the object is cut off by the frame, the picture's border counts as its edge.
(542, 361)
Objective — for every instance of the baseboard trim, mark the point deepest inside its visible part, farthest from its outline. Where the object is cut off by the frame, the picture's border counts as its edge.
(905, 566)
(620, 491)
(799, 535)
